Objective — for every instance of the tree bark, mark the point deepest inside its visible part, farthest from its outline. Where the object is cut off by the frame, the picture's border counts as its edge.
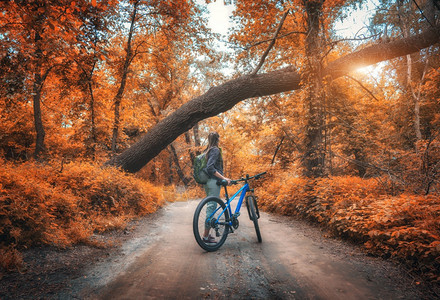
(382, 52)
(37, 85)
(179, 171)
(314, 156)
(409, 81)
(223, 97)
(188, 142)
(277, 149)
(196, 138)
(92, 117)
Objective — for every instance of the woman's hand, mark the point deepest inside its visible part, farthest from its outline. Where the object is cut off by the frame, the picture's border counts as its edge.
(220, 176)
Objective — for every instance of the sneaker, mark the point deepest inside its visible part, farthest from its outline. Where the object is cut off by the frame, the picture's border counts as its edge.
(210, 240)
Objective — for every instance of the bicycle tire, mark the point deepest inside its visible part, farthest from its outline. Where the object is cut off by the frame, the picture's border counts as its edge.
(200, 223)
(247, 207)
(253, 209)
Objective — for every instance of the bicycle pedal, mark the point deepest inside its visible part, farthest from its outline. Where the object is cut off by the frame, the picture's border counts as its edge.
(231, 230)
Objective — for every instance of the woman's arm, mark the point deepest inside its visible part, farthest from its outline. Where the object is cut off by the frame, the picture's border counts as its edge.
(218, 175)
(213, 156)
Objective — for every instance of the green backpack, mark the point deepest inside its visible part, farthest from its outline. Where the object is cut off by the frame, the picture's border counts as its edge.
(200, 175)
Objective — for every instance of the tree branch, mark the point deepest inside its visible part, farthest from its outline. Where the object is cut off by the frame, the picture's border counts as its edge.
(272, 43)
(277, 149)
(276, 38)
(362, 86)
(421, 11)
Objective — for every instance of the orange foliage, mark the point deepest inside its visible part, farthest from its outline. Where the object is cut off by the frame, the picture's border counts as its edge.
(77, 48)
(41, 204)
(406, 227)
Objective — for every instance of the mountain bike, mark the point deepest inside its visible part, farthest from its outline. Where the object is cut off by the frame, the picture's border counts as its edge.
(214, 220)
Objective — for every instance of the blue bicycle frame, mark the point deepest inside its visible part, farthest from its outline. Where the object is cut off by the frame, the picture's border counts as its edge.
(243, 190)
(219, 214)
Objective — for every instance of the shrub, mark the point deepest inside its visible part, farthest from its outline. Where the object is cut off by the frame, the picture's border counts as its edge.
(44, 205)
(405, 226)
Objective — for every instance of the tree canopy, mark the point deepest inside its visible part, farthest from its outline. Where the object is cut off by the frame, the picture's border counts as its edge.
(120, 81)
(347, 127)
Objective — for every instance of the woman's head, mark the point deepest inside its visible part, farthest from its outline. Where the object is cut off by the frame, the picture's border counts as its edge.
(213, 139)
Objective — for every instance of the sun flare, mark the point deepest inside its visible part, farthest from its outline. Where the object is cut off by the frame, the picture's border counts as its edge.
(374, 70)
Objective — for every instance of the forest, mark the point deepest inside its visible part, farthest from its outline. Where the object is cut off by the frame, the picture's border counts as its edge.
(105, 103)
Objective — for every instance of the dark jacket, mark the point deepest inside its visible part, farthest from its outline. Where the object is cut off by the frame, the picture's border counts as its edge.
(214, 162)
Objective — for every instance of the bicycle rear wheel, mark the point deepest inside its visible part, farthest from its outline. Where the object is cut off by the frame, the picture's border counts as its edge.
(210, 225)
(254, 214)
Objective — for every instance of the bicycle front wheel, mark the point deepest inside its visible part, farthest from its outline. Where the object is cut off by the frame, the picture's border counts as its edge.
(210, 223)
(254, 215)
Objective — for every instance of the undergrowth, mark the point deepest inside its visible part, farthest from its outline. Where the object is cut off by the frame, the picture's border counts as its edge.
(42, 204)
(403, 226)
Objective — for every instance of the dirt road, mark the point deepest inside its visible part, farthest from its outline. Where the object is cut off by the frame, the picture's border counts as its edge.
(295, 261)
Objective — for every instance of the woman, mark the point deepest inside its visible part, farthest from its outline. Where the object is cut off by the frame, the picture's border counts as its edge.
(214, 168)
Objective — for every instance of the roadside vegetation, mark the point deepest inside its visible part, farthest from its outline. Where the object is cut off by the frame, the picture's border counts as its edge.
(369, 212)
(64, 204)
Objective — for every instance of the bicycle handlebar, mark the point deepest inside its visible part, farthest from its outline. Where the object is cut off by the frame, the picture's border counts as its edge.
(258, 176)
(225, 182)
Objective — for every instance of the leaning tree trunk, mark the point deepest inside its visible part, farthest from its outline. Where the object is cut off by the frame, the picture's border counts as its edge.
(223, 97)
(216, 100)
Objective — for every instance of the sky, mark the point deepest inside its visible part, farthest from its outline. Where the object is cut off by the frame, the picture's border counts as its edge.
(354, 25)
(219, 16)
(357, 20)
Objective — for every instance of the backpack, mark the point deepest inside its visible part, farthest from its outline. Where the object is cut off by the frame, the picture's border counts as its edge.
(200, 175)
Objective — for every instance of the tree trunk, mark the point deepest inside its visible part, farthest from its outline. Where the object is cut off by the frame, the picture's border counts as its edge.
(360, 162)
(313, 160)
(382, 52)
(196, 137)
(223, 97)
(409, 81)
(170, 166)
(118, 98)
(179, 171)
(92, 118)
(277, 149)
(188, 142)
(417, 101)
(37, 86)
(217, 100)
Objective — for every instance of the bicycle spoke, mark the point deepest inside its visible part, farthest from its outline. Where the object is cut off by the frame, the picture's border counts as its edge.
(209, 225)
